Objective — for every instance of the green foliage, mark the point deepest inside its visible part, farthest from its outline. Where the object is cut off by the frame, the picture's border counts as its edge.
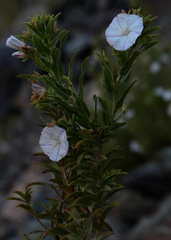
(84, 181)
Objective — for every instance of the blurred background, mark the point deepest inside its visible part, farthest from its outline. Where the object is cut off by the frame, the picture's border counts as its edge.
(146, 139)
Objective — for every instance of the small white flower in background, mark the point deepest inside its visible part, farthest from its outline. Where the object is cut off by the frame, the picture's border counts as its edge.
(16, 44)
(53, 141)
(130, 114)
(165, 94)
(135, 147)
(124, 30)
(155, 67)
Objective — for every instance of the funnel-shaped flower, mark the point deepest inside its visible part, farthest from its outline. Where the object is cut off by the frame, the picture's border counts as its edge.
(54, 143)
(14, 43)
(124, 30)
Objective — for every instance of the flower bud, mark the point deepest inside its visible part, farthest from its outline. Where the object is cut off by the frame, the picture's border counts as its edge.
(14, 43)
(19, 54)
(37, 92)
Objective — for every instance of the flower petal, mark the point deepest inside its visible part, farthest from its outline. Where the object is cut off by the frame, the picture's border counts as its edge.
(135, 23)
(124, 30)
(54, 143)
(14, 43)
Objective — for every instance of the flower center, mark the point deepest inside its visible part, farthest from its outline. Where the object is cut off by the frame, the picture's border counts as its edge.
(57, 142)
(126, 32)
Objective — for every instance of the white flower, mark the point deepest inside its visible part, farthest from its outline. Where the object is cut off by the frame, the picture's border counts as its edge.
(163, 93)
(19, 54)
(155, 67)
(54, 143)
(14, 43)
(136, 147)
(124, 30)
(130, 114)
